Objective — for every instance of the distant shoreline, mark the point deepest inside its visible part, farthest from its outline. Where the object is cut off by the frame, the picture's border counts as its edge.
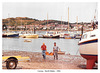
(41, 30)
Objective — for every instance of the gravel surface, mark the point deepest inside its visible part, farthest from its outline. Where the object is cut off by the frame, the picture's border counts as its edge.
(37, 61)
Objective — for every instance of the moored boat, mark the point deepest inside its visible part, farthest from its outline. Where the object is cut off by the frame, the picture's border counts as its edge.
(30, 36)
(10, 35)
(4, 35)
(51, 34)
(67, 36)
(77, 36)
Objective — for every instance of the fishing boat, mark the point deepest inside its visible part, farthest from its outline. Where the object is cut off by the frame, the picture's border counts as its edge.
(10, 35)
(51, 34)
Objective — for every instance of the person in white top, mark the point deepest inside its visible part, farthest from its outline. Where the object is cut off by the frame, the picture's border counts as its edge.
(55, 51)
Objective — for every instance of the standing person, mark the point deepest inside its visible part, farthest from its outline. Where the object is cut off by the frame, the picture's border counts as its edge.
(43, 48)
(55, 51)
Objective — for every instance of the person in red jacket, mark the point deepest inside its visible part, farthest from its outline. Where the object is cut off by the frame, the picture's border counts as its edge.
(44, 49)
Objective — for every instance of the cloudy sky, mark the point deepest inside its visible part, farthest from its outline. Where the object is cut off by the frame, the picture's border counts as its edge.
(38, 10)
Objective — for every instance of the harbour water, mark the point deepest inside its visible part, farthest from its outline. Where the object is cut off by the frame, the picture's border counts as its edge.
(18, 44)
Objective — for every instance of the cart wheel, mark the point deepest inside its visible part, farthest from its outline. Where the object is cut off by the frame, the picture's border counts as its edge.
(11, 64)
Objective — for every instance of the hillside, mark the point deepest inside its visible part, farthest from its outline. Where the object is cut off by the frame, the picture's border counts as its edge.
(28, 21)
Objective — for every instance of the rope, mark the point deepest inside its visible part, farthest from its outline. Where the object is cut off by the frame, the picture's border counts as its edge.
(72, 58)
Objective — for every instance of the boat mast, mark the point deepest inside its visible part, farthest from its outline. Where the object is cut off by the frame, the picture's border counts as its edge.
(61, 22)
(34, 29)
(15, 25)
(8, 22)
(91, 25)
(77, 22)
(94, 21)
(68, 19)
(46, 22)
(25, 27)
(21, 24)
(47, 18)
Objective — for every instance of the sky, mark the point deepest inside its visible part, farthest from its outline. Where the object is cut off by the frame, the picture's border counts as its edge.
(55, 10)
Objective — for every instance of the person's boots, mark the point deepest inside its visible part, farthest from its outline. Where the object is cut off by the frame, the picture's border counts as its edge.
(44, 57)
(54, 57)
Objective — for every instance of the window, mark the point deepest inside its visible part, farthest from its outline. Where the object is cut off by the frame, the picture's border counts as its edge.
(84, 36)
(92, 35)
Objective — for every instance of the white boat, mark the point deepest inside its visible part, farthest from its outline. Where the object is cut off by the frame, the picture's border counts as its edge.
(51, 34)
(61, 34)
(88, 47)
(30, 36)
(21, 35)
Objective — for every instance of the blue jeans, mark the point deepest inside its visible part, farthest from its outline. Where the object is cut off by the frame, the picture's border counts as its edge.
(43, 54)
(56, 55)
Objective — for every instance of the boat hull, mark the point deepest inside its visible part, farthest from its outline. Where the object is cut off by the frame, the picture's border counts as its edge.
(77, 37)
(89, 51)
(67, 37)
(10, 35)
(31, 36)
(45, 36)
(13, 35)
(21, 35)
(91, 60)
(4, 35)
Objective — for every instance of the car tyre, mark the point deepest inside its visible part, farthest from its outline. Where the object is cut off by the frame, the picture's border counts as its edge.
(11, 64)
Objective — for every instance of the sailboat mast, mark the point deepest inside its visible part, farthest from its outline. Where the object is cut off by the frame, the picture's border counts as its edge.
(61, 22)
(8, 22)
(77, 22)
(47, 18)
(16, 25)
(68, 19)
(21, 24)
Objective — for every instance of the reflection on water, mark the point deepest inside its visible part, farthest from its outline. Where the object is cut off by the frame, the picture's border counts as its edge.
(67, 45)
